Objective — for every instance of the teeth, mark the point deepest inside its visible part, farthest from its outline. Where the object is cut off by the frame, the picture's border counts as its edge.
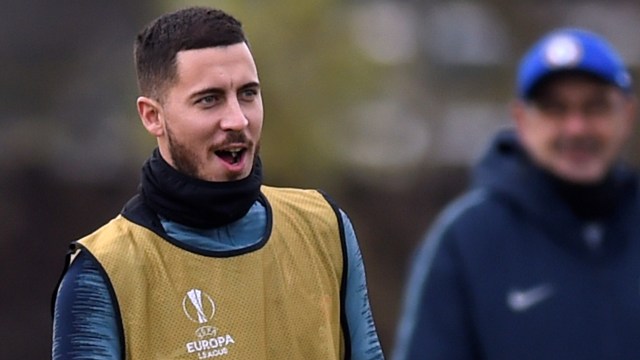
(234, 153)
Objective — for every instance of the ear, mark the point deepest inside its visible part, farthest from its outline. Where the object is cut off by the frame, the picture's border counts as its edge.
(632, 111)
(518, 113)
(150, 112)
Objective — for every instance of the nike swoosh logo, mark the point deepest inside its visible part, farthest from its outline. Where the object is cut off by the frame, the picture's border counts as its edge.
(523, 300)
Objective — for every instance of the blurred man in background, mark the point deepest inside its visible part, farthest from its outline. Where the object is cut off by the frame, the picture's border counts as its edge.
(540, 259)
(206, 261)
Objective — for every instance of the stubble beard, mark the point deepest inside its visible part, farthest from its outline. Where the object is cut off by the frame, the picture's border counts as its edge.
(184, 160)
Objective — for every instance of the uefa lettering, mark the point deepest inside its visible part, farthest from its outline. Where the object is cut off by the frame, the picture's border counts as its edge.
(199, 307)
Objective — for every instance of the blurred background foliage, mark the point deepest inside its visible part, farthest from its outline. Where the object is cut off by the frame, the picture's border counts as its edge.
(383, 104)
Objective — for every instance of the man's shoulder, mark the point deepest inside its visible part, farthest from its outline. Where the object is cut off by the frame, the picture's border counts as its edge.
(474, 212)
(310, 203)
(296, 196)
(475, 203)
(116, 228)
(283, 191)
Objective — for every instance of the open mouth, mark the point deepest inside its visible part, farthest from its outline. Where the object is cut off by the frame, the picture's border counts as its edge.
(231, 156)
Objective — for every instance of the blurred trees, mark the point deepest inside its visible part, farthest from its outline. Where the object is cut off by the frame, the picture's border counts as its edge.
(310, 73)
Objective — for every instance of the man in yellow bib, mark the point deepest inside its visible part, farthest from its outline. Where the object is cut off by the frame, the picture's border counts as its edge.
(206, 261)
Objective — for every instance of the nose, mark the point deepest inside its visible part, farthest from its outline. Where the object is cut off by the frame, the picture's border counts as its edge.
(233, 117)
(575, 121)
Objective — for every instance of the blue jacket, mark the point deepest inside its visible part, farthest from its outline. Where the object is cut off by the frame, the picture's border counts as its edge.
(523, 266)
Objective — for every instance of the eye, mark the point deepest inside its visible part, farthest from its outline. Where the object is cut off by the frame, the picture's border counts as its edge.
(550, 107)
(597, 107)
(208, 100)
(248, 94)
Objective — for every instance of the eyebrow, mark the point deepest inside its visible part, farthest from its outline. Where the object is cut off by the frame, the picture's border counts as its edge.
(217, 90)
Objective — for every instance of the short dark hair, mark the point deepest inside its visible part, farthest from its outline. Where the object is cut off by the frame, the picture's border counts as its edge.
(191, 28)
